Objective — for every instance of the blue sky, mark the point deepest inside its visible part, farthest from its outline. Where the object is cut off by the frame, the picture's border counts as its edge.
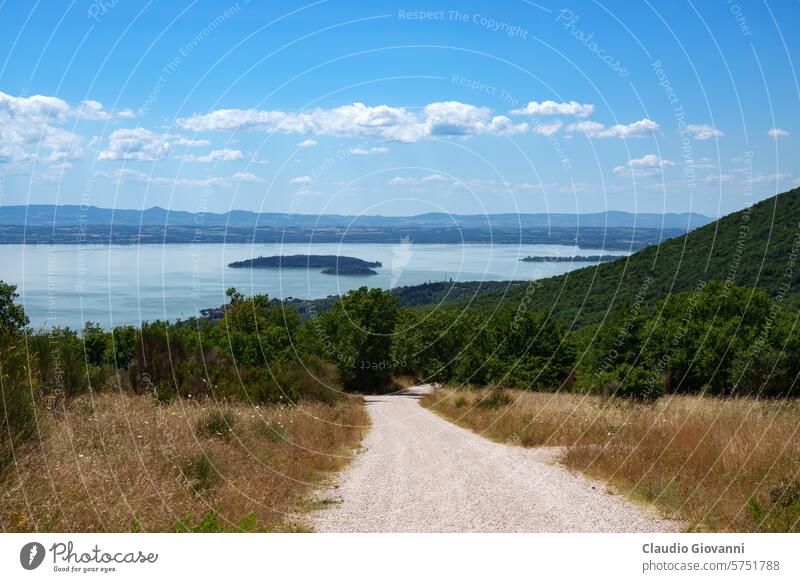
(399, 107)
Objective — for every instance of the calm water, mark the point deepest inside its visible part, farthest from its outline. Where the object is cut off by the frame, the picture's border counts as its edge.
(117, 285)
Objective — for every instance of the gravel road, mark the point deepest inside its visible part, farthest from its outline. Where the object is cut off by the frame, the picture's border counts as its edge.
(420, 473)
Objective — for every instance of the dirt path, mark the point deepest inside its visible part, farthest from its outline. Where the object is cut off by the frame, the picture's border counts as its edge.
(420, 473)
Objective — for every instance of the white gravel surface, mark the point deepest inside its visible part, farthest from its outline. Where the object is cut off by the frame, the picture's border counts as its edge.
(420, 473)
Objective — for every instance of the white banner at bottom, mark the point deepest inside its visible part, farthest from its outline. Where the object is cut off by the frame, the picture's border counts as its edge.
(389, 557)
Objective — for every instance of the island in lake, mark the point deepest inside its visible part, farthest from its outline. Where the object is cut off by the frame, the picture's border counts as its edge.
(576, 259)
(331, 264)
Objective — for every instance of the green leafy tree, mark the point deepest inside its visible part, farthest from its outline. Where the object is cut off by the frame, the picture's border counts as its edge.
(532, 350)
(17, 418)
(12, 316)
(360, 326)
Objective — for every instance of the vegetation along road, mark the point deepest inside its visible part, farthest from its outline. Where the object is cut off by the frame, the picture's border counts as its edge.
(420, 473)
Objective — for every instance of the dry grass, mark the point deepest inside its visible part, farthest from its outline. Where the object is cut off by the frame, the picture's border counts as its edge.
(719, 464)
(114, 462)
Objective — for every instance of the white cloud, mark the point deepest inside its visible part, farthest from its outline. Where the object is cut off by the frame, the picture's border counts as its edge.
(776, 132)
(717, 178)
(309, 143)
(93, 110)
(189, 143)
(135, 144)
(223, 155)
(435, 178)
(704, 131)
(547, 129)
(366, 152)
(301, 180)
(127, 113)
(143, 145)
(553, 108)
(247, 177)
(450, 118)
(768, 178)
(702, 163)
(400, 181)
(648, 165)
(639, 128)
(129, 175)
(29, 128)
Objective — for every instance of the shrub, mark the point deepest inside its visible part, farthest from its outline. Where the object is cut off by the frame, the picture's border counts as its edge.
(497, 398)
(200, 472)
(17, 414)
(216, 423)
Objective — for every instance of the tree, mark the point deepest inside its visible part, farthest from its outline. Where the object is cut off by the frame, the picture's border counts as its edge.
(361, 326)
(12, 316)
(531, 350)
(17, 418)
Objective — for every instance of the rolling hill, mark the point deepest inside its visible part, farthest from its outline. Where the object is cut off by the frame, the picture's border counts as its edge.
(48, 215)
(755, 247)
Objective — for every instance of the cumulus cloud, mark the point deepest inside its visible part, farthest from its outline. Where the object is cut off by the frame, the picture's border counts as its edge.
(639, 128)
(547, 129)
(29, 128)
(553, 108)
(776, 132)
(135, 144)
(93, 110)
(127, 113)
(143, 145)
(450, 118)
(648, 165)
(301, 180)
(224, 155)
(704, 131)
(309, 143)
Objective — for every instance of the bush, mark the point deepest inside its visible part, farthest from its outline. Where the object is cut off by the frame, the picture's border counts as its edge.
(497, 398)
(627, 381)
(17, 414)
(216, 423)
(201, 473)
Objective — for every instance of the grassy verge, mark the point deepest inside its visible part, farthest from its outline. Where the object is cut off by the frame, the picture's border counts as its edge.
(720, 464)
(120, 462)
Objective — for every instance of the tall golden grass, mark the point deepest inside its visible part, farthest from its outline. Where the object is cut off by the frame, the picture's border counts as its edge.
(118, 462)
(718, 464)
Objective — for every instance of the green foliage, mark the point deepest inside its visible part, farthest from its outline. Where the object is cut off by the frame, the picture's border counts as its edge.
(532, 352)
(12, 316)
(211, 523)
(497, 398)
(17, 402)
(216, 424)
(200, 472)
(17, 388)
(628, 381)
(361, 326)
(752, 247)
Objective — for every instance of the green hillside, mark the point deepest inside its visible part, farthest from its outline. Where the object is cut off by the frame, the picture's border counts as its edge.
(755, 247)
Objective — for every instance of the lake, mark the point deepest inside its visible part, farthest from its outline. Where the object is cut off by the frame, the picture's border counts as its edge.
(68, 285)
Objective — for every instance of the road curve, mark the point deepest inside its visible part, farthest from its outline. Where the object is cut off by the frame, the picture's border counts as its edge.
(420, 473)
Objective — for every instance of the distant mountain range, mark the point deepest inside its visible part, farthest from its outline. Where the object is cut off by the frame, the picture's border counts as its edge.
(48, 215)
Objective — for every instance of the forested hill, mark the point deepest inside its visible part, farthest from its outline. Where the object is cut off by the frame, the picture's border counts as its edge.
(755, 247)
